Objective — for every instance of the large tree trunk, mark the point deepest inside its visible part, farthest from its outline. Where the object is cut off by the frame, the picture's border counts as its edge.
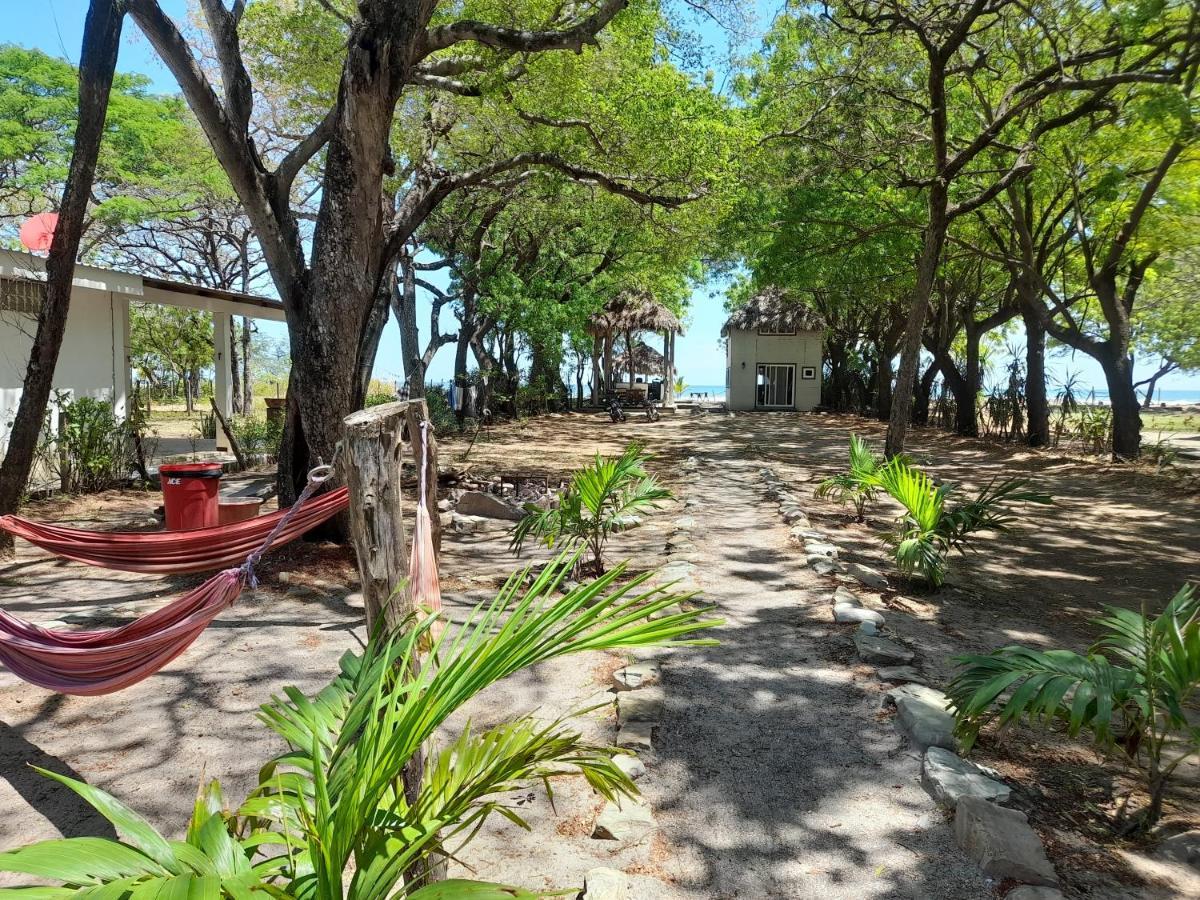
(97, 63)
(966, 417)
(1036, 400)
(1126, 411)
(883, 381)
(924, 394)
(910, 346)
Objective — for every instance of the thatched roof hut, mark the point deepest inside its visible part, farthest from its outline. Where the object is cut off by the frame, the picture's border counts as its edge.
(645, 358)
(774, 309)
(634, 309)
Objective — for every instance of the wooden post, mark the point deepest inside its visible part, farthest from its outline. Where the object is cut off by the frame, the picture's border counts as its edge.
(371, 457)
(608, 361)
(417, 413)
(370, 465)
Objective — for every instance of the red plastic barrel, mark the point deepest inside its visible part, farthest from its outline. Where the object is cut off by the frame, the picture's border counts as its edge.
(190, 494)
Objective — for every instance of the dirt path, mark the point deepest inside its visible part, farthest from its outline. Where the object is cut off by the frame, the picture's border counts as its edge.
(775, 776)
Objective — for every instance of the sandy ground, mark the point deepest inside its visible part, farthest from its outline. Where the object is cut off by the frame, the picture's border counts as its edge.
(774, 774)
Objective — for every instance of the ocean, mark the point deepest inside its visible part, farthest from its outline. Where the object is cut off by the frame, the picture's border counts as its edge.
(1166, 396)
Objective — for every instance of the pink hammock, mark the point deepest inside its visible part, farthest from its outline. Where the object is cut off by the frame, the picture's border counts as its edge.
(175, 552)
(107, 660)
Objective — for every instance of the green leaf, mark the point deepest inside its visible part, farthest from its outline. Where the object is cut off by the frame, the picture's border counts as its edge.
(136, 830)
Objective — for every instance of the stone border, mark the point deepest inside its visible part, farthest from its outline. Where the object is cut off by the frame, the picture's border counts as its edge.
(999, 840)
(640, 699)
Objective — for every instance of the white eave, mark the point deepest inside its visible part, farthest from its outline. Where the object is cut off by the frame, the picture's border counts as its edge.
(18, 264)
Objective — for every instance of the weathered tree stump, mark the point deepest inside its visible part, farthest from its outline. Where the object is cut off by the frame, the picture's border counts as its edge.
(371, 462)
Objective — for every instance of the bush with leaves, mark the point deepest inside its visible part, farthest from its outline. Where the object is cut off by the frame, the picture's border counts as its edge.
(602, 498)
(90, 450)
(860, 485)
(929, 529)
(1130, 692)
(257, 435)
(330, 819)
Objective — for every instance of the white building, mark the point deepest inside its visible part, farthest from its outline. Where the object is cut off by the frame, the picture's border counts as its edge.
(773, 354)
(94, 361)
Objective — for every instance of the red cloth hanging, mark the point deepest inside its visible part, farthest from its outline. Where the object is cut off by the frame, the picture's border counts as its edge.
(174, 552)
(106, 660)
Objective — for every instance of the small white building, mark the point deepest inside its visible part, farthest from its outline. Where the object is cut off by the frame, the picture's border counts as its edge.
(773, 354)
(94, 361)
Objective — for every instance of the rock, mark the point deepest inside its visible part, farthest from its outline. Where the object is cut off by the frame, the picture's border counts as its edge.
(947, 778)
(796, 534)
(636, 735)
(446, 518)
(867, 576)
(477, 503)
(900, 675)
(645, 705)
(1183, 847)
(881, 651)
(685, 522)
(631, 765)
(843, 596)
(793, 516)
(821, 548)
(1030, 892)
(1001, 843)
(605, 884)
(461, 524)
(825, 566)
(628, 823)
(629, 521)
(445, 505)
(922, 715)
(868, 628)
(354, 600)
(637, 676)
(286, 577)
(856, 614)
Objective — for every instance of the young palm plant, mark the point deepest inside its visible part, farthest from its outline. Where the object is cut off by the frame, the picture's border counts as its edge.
(860, 485)
(928, 530)
(331, 817)
(1132, 704)
(601, 498)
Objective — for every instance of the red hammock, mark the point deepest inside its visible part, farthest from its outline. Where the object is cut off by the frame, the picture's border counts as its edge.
(104, 661)
(174, 552)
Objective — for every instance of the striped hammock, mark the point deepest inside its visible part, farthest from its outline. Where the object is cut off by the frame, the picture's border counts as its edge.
(175, 552)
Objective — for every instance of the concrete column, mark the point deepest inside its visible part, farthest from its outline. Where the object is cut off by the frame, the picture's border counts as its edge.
(222, 384)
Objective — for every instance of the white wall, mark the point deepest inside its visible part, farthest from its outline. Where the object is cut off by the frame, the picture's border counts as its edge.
(748, 349)
(94, 359)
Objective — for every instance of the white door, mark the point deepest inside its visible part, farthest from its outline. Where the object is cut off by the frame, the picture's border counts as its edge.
(775, 386)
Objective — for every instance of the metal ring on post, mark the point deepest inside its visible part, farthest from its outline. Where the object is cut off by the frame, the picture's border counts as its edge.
(320, 474)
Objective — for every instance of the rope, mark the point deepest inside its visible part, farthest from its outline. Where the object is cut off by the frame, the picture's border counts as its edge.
(424, 459)
(316, 477)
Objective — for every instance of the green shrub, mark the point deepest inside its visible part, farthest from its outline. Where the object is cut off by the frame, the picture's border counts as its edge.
(331, 818)
(208, 426)
(440, 413)
(929, 529)
(858, 486)
(92, 450)
(378, 398)
(1130, 691)
(257, 435)
(601, 499)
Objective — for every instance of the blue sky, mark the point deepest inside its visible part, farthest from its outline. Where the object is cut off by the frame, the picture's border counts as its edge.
(56, 26)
